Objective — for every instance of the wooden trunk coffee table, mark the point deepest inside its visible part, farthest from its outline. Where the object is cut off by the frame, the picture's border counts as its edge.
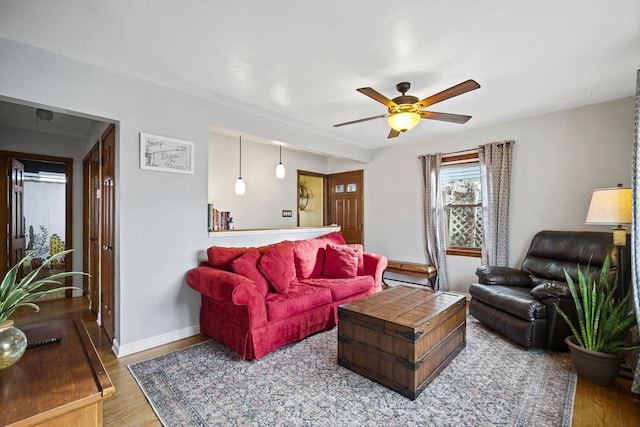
(402, 337)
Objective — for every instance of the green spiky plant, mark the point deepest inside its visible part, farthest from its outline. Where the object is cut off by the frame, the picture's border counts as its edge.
(603, 321)
(16, 292)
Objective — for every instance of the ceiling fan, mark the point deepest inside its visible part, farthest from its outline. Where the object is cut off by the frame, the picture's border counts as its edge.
(405, 111)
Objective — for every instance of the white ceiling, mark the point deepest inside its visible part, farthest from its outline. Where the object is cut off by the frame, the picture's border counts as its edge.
(301, 62)
(24, 116)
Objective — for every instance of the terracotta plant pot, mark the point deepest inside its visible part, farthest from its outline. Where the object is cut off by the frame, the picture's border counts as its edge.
(593, 366)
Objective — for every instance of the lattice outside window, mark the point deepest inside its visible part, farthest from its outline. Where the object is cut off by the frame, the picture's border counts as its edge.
(462, 195)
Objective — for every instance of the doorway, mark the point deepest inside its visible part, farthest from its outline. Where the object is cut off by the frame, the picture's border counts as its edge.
(311, 197)
(39, 217)
(346, 203)
(333, 199)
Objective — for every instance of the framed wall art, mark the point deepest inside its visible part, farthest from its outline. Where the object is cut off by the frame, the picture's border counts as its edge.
(160, 153)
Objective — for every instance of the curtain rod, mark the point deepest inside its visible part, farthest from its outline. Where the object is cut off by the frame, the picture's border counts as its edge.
(468, 150)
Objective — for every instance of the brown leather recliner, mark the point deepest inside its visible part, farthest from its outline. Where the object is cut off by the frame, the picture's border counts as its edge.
(519, 302)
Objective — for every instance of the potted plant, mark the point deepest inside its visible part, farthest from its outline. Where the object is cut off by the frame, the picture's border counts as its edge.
(598, 343)
(17, 292)
(38, 246)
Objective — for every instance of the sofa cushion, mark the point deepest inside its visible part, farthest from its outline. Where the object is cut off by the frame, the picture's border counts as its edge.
(247, 266)
(300, 298)
(278, 267)
(514, 300)
(309, 257)
(333, 238)
(340, 261)
(309, 253)
(221, 257)
(342, 288)
(360, 249)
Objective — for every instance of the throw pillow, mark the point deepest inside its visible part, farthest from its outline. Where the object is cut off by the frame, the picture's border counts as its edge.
(309, 257)
(221, 257)
(340, 261)
(334, 238)
(278, 267)
(360, 250)
(247, 265)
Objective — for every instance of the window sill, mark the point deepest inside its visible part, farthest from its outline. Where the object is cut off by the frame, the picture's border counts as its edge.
(470, 252)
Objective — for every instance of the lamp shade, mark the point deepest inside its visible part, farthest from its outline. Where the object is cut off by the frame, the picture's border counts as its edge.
(280, 172)
(610, 206)
(403, 122)
(240, 187)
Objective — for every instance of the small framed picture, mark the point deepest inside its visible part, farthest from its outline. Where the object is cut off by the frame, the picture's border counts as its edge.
(164, 154)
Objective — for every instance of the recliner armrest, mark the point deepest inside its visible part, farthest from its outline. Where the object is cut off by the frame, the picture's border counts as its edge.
(508, 276)
(551, 289)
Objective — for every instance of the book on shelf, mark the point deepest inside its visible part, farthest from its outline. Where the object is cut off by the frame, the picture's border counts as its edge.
(219, 220)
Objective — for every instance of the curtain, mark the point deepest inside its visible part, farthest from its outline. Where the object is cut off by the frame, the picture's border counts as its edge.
(435, 244)
(635, 233)
(495, 169)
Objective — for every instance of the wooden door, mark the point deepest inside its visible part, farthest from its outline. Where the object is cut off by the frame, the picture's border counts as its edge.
(16, 221)
(346, 194)
(91, 226)
(107, 232)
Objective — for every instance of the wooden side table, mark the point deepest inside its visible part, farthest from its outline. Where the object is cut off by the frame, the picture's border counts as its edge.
(56, 384)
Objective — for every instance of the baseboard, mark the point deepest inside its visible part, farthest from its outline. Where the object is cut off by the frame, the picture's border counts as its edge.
(146, 344)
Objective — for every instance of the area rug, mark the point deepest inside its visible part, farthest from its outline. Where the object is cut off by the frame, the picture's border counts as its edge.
(492, 382)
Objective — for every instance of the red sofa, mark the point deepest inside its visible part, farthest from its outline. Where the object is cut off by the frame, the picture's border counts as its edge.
(255, 300)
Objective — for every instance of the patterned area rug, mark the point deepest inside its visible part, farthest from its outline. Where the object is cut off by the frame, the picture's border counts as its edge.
(492, 382)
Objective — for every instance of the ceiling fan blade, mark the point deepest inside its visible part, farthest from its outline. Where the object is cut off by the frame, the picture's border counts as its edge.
(445, 117)
(393, 133)
(373, 94)
(456, 90)
(361, 120)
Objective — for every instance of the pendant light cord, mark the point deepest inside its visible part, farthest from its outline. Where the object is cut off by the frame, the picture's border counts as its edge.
(240, 157)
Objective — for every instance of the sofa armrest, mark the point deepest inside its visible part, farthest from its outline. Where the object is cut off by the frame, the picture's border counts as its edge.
(374, 265)
(551, 289)
(229, 288)
(495, 275)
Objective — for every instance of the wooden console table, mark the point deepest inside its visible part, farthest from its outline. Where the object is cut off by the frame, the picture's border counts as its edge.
(56, 384)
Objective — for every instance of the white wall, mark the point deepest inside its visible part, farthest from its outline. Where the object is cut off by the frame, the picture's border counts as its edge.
(266, 196)
(559, 159)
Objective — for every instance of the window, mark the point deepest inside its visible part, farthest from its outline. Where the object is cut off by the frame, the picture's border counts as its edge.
(462, 195)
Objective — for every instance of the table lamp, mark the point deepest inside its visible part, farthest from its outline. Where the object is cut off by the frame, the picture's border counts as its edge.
(612, 206)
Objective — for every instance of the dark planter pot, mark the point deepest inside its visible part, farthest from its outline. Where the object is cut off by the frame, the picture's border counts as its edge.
(593, 366)
(35, 263)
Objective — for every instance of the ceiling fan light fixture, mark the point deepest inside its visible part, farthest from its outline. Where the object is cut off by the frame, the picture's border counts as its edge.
(403, 122)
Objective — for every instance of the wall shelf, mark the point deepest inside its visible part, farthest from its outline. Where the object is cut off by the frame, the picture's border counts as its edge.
(266, 236)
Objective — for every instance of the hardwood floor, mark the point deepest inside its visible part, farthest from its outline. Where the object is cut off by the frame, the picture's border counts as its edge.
(594, 405)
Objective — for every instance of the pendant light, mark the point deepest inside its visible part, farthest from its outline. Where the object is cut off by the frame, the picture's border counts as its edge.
(240, 187)
(280, 172)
